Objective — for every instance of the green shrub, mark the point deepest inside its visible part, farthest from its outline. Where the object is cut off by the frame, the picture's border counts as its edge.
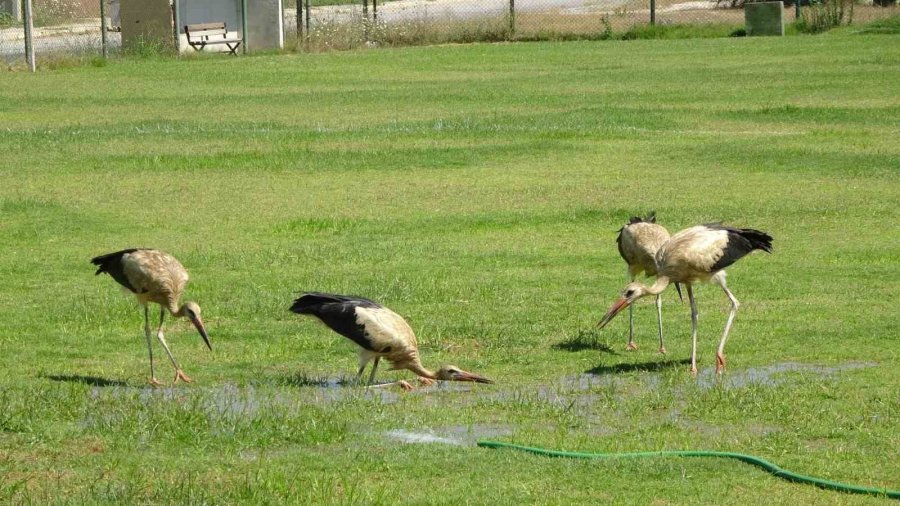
(825, 15)
(6, 19)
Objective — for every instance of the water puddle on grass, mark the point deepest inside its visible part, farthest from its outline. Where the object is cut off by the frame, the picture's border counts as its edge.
(771, 375)
(457, 435)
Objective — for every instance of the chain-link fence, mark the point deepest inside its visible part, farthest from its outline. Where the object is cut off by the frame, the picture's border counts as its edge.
(66, 28)
(341, 24)
(61, 29)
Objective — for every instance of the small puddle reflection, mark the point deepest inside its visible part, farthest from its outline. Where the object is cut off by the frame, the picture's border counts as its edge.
(770, 375)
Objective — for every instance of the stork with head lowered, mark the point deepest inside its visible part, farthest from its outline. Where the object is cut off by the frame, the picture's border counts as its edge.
(697, 254)
(154, 276)
(379, 333)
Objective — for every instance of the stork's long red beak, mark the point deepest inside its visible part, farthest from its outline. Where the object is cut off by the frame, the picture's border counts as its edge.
(617, 306)
(468, 376)
(199, 324)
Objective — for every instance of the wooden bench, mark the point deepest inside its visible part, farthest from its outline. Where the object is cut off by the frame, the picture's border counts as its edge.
(199, 36)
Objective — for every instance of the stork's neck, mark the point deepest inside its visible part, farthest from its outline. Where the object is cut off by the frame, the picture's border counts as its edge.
(176, 311)
(657, 288)
(421, 371)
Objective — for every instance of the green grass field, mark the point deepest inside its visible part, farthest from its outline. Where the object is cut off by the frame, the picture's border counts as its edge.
(477, 191)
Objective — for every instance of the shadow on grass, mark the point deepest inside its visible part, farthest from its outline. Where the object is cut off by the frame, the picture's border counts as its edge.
(642, 366)
(584, 340)
(94, 381)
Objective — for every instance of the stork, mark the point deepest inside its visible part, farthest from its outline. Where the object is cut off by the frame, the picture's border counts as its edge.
(638, 242)
(154, 276)
(697, 254)
(379, 332)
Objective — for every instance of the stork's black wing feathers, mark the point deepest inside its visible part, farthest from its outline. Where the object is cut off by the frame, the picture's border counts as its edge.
(338, 312)
(741, 241)
(111, 263)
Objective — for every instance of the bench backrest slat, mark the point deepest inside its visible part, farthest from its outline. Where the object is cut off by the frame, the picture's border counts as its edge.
(199, 27)
(207, 33)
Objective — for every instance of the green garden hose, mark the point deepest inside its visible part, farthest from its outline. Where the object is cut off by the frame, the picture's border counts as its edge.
(749, 459)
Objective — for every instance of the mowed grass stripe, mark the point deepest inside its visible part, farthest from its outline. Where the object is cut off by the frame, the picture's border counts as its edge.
(477, 191)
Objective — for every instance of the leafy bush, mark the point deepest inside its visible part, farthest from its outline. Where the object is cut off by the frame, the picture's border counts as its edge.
(6, 19)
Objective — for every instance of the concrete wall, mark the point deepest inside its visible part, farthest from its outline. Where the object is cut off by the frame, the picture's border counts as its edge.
(764, 18)
(148, 21)
(191, 12)
(265, 28)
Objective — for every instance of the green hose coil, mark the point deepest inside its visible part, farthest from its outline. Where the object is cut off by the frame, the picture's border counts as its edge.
(749, 459)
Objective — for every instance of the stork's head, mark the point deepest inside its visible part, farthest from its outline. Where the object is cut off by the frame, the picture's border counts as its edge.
(632, 292)
(453, 373)
(191, 310)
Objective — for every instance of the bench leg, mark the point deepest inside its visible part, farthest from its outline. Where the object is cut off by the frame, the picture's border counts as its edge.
(234, 48)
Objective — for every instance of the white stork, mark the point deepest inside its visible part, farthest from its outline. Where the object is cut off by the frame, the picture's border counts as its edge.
(154, 276)
(379, 332)
(638, 242)
(697, 254)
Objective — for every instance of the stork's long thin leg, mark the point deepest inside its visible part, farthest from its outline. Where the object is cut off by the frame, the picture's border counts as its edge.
(374, 368)
(690, 292)
(720, 353)
(662, 347)
(631, 346)
(179, 374)
(364, 358)
(153, 380)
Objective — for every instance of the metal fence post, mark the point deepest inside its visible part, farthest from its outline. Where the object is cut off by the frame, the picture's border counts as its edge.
(103, 28)
(652, 12)
(244, 25)
(299, 16)
(796, 10)
(512, 16)
(307, 18)
(29, 36)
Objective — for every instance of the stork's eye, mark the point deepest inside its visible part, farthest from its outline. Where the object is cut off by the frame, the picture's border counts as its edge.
(629, 293)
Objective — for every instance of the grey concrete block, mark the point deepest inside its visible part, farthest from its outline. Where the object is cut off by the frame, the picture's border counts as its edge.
(764, 18)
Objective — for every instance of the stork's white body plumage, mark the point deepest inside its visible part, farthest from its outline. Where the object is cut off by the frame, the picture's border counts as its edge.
(378, 332)
(697, 254)
(154, 276)
(639, 241)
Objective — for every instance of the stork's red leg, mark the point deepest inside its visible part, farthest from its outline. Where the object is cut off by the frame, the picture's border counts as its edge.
(631, 346)
(180, 375)
(155, 382)
(720, 352)
(694, 315)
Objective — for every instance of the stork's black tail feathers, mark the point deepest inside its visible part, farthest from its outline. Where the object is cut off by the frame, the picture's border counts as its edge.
(312, 302)
(757, 239)
(110, 262)
(650, 218)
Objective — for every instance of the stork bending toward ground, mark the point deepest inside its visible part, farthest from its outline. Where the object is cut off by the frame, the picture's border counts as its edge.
(379, 332)
(154, 276)
(638, 242)
(697, 254)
